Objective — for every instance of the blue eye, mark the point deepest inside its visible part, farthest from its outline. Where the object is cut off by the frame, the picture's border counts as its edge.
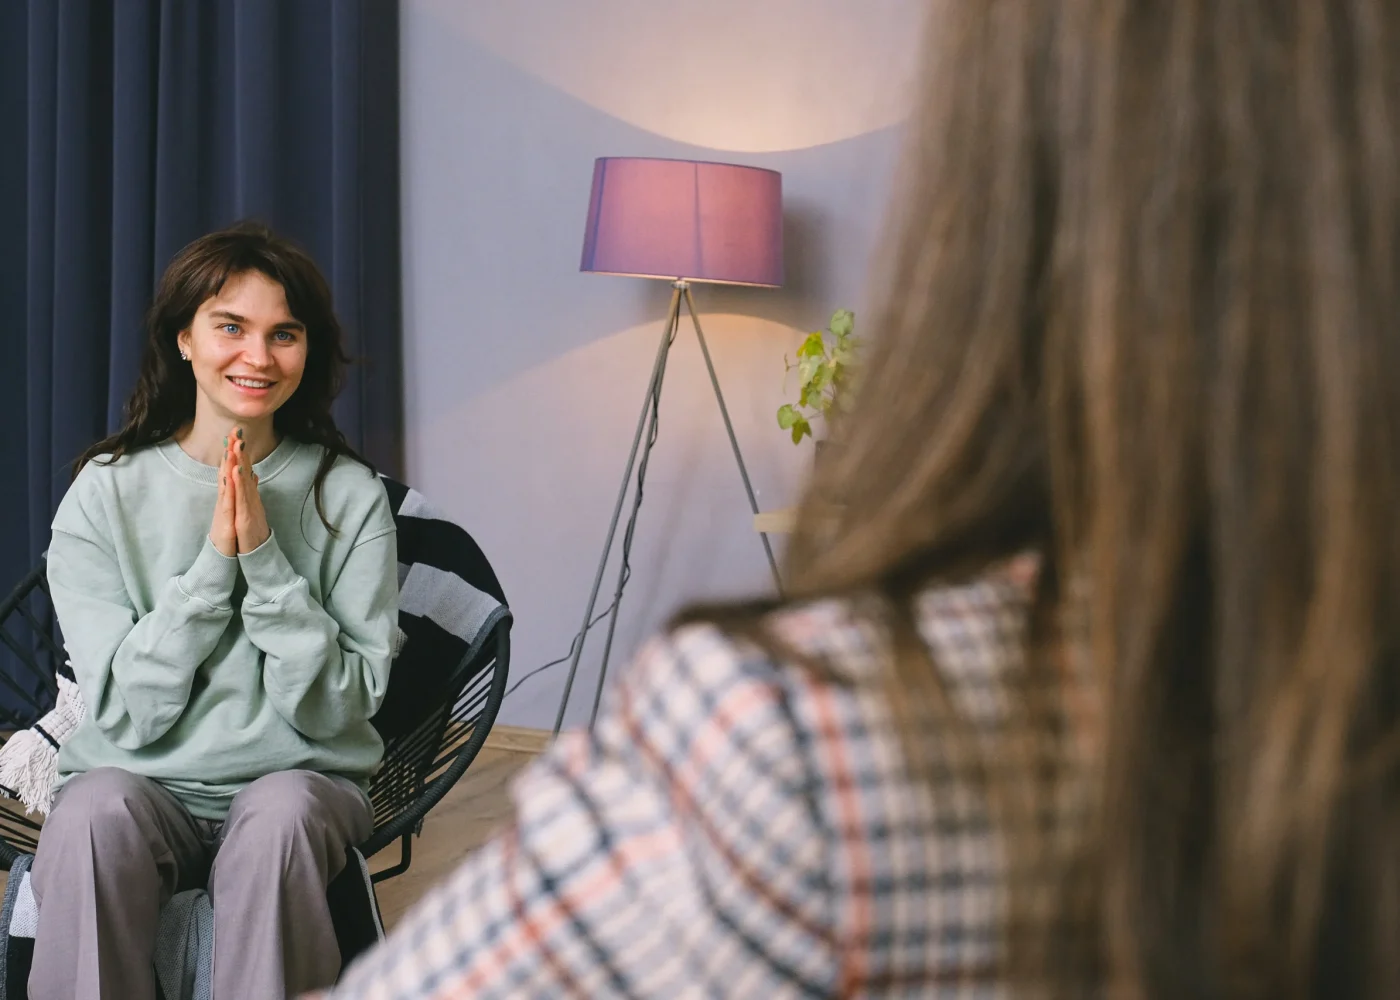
(286, 336)
(229, 328)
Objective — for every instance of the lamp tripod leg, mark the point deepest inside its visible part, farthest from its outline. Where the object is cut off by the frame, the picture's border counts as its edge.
(733, 440)
(622, 567)
(658, 372)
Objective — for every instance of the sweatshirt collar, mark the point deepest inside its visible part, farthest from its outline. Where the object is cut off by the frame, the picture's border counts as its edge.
(188, 467)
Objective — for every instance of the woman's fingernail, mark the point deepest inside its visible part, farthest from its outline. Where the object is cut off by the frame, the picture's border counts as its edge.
(239, 432)
(225, 442)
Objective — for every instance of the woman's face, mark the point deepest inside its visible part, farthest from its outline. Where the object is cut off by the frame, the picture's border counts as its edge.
(246, 349)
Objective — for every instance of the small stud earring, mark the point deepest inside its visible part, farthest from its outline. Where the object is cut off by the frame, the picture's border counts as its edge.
(184, 356)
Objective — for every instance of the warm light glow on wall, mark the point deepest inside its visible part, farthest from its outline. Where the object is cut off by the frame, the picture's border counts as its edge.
(734, 75)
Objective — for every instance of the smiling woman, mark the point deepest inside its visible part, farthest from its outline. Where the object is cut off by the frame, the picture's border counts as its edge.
(224, 572)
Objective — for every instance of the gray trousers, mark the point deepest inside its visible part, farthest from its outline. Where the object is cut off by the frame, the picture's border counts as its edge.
(117, 846)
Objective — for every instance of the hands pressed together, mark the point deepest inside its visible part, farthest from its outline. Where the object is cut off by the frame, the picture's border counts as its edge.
(240, 523)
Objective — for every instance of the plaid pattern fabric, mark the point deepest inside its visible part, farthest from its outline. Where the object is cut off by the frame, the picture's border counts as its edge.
(734, 828)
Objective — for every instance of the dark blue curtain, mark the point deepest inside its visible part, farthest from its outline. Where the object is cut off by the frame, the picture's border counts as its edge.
(130, 127)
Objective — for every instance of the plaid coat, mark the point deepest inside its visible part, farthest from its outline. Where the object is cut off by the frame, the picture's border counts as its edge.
(735, 827)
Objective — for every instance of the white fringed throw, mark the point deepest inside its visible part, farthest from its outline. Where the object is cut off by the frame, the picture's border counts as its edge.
(29, 760)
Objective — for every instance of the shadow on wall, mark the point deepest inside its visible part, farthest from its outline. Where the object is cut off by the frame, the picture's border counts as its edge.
(744, 77)
(807, 261)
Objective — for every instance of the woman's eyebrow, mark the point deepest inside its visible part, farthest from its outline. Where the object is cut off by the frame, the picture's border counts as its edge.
(290, 324)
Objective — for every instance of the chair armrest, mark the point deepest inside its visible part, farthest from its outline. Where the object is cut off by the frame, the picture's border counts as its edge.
(408, 819)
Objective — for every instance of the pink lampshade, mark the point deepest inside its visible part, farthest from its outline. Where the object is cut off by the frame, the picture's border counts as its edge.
(653, 218)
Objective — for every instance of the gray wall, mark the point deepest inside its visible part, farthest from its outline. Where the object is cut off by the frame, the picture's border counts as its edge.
(525, 378)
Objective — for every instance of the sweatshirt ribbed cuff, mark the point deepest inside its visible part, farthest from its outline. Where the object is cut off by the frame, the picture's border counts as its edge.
(211, 577)
(267, 571)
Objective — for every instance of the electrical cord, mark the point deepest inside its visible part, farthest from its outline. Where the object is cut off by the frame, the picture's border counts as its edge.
(563, 659)
(653, 432)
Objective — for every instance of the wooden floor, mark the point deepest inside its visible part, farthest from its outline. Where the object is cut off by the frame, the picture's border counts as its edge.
(462, 821)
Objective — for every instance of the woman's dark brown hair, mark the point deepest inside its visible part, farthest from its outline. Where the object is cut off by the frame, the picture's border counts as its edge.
(1141, 314)
(164, 398)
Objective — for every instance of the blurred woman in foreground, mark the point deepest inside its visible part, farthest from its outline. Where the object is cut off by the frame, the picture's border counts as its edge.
(1086, 681)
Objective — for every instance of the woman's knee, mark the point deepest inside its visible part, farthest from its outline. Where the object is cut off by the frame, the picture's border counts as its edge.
(102, 817)
(99, 798)
(289, 807)
(284, 801)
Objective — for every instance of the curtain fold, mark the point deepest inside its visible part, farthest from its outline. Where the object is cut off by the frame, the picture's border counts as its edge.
(130, 127)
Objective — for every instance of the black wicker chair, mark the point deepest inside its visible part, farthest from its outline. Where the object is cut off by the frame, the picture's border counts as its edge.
(430, 738)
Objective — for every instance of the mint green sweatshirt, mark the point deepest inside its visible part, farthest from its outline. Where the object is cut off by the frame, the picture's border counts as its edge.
(204, 671)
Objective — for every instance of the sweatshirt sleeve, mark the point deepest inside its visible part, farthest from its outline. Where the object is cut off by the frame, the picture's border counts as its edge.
(325, 667)
(135, 671)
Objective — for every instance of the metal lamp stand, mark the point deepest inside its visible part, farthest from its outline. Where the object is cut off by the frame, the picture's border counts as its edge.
(680, 291)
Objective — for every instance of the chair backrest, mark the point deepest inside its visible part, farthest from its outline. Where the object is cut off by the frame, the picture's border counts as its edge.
(30, 639)
(448, 681)
(31, 651)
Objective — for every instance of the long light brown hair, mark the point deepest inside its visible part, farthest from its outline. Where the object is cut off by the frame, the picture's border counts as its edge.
(1140, 314)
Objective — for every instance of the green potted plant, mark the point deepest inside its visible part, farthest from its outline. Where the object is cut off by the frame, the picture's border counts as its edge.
(825, 363)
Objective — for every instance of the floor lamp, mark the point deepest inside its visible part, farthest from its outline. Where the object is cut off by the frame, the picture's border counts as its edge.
(681, 221)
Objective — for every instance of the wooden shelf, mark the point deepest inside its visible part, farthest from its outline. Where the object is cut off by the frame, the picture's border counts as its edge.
(775, 522)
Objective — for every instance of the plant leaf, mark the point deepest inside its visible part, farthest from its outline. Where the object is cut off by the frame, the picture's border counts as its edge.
(800, 429)
(813, 387)
(843, 321)
(813, 347)
(788, 416)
